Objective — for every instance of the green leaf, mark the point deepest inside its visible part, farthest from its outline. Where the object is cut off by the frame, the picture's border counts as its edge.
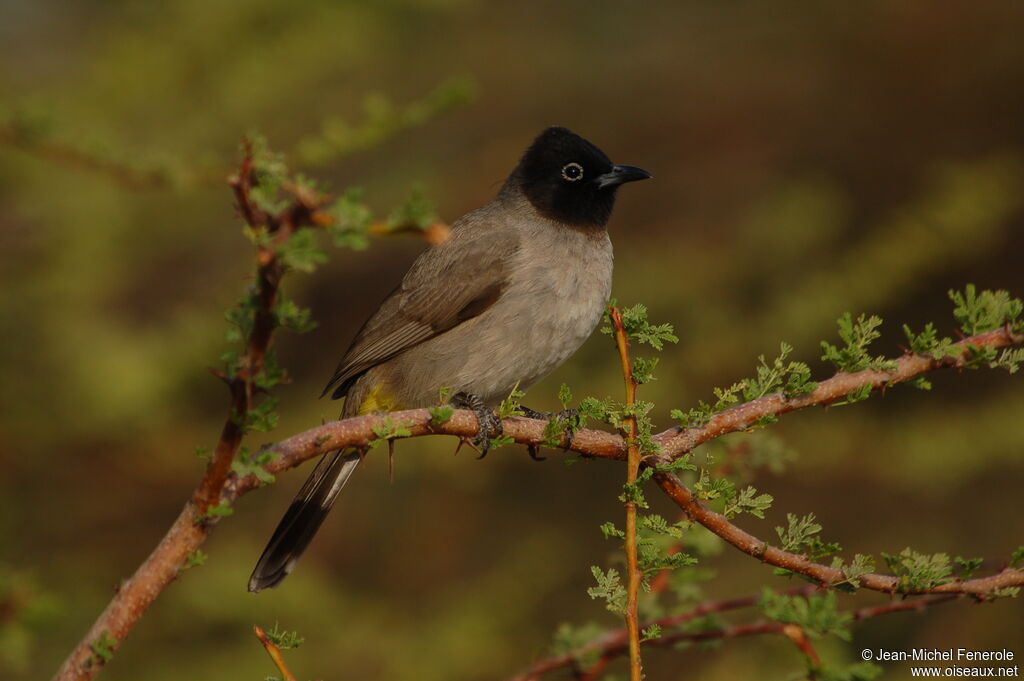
(633, 493)
(501, 441)
(271, 374)
(643, 369)
(651, 632)
(261, 418)
(710, 488)
(564, 396)
(917, 571)
(702, 413)
(985, 311)
(351, 220)
(857, 335)
(1010, 359)
(609, 587)
(801, 536)
(678, 465)
(749, 501)
(856, 395)
(817, 613)
(603, 411)
(440, 415)
(609, 530)
(221, 510)
(642, 331)
(860, 566)
(290, 316)
(638, 328)
(386, 430)
(103, 647)
(416, 213)
(510, 405)
(928, 343)
(194, 559)
(301, 251)
(569, 640)
(246, 464)
(284, 640)
(268, 176)
(968, 566)
(1004, 592)
(560, 425)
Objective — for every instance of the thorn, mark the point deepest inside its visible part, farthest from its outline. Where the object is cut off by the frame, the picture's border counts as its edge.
(534, 451)
(391, 461)
(472, 445)
(219, 374)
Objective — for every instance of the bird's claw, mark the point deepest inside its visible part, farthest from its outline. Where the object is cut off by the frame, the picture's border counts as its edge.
(490, 424)
(567, 418)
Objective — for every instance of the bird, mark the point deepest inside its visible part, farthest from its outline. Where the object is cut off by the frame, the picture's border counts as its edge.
(514, 291)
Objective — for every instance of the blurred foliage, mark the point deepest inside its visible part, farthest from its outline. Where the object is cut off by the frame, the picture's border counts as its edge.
(808, 162)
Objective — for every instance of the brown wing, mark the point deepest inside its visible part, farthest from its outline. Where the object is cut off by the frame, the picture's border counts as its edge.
(447, 285)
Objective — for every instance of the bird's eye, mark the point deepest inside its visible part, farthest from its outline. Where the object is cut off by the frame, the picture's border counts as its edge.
(572, 172)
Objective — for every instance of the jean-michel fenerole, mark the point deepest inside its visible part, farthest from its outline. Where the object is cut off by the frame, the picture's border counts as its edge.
(934, 654)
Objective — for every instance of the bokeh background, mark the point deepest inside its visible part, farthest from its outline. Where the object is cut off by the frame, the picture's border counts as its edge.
(809, 159)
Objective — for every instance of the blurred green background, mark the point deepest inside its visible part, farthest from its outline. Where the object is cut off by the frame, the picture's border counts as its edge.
(809, 159)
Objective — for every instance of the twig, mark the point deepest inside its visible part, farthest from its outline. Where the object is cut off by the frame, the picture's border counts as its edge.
(632, 470)
(434, 233)
(613, 644)
(798, 636)
(823, 574)
(123, 174)
(275, 654)
(678, 441)
(190, 529)
(193, 524)
(601, 444)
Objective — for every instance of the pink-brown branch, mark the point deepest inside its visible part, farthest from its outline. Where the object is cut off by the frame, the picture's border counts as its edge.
(608, 646)
(192, 525)
(219, 486)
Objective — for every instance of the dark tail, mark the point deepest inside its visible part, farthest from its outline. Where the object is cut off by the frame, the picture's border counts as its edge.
(303, 518)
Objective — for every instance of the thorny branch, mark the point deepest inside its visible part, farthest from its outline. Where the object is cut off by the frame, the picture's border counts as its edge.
(613, 644)
(220, 487)
(193, 524)
(674, 443)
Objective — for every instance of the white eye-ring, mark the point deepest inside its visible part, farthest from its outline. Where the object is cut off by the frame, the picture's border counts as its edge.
(572, 172)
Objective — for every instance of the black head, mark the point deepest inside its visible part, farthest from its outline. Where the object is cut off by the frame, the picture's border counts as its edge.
(568, 179)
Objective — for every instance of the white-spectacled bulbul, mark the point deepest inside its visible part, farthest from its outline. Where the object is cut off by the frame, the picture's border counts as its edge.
(510, 295)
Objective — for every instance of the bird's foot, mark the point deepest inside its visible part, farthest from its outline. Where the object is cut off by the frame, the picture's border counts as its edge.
(490, 424)
(565, 423)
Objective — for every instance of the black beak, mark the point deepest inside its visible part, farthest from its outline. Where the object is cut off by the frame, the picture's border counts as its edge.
(620, 175)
